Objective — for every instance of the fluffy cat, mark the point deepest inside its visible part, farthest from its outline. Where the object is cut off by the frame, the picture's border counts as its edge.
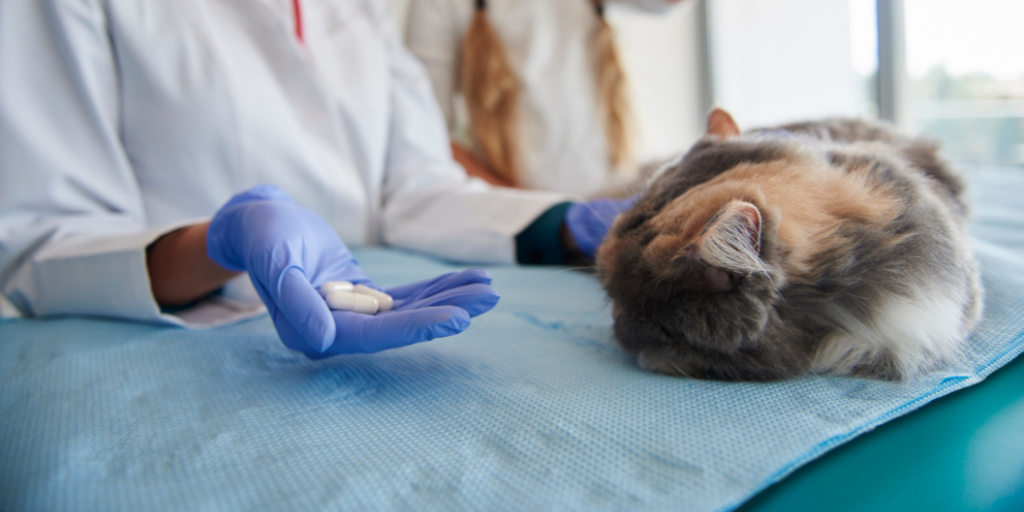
(834, 247)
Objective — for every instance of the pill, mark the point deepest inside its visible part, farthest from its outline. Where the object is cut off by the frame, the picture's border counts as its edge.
(330, 286)
(385, 300)
(349, 301)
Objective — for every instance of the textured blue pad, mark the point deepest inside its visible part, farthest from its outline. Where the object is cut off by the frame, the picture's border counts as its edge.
(534, 407)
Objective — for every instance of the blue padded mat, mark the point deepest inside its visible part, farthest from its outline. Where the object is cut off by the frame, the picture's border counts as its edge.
(534, 407)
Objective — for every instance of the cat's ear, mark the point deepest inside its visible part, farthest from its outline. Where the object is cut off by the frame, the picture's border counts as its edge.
(730, 247)
(722, 124)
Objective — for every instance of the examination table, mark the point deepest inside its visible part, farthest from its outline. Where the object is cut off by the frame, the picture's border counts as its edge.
(533, 408)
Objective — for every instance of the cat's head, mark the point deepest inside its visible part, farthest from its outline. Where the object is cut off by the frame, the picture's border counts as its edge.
(694, 269)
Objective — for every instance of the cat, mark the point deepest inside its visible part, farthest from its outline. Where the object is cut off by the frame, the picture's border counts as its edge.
(831, 247)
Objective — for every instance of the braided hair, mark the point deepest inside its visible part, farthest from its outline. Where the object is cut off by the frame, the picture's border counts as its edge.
(492, 93)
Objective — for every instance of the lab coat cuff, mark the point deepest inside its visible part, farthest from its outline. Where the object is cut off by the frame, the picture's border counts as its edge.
(8, 310)
(109, 277)
(654, 6)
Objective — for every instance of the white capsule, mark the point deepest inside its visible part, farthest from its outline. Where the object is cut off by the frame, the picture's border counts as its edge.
(330, 286)
(348, 301)
(385, 300)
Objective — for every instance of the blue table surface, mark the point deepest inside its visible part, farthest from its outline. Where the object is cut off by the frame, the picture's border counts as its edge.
(962, 452)
(118, 416)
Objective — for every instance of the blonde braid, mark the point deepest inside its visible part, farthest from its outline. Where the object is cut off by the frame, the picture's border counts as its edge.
(491, 91)
(612, 93)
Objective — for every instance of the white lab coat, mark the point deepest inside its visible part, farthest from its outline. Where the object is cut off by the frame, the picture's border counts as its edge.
(121, 120)
(561, 135)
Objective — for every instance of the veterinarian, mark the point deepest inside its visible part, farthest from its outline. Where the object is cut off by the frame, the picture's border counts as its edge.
(153, 151)
(533, 91)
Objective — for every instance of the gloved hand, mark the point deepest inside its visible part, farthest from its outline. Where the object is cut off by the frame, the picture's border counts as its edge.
(429, 309)
(289, 252)
(589, 222)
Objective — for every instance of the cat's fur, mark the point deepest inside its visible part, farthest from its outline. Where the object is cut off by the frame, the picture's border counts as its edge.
(835, 247)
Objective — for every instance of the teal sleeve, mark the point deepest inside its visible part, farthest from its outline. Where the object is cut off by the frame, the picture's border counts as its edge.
(540, 242)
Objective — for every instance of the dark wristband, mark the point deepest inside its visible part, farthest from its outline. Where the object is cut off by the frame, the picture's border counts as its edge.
(541, 242)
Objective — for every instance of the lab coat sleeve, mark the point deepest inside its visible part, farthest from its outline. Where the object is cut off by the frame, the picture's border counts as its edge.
(429, 204)
(73, 230)
(654, 6)
(433, 35)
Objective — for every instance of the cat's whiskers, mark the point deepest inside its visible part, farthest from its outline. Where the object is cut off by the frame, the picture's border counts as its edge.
(678, 369)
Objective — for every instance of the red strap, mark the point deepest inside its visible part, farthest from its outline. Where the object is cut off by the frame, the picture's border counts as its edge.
(298, 19)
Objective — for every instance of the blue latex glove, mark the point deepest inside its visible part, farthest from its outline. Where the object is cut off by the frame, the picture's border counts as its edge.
(589, 222)
(289, 252)
(429, 309)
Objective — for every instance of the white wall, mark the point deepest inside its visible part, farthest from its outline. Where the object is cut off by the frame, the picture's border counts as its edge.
(662, 56)
(783, 60)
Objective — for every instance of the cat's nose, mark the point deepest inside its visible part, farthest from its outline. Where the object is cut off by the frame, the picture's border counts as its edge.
(716, 280)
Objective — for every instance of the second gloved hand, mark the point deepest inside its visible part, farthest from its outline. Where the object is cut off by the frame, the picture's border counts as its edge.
(289, 252)
(589, 222)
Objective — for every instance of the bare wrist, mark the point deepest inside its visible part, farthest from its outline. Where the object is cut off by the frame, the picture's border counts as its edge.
(180, 270)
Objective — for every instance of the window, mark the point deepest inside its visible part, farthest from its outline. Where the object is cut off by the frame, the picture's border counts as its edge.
(965, 72)
(864, 54)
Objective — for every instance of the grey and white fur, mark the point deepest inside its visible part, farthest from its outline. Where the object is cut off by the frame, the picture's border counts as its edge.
(834, 247)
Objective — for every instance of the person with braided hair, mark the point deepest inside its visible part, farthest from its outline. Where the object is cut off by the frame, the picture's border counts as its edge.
(542, 85)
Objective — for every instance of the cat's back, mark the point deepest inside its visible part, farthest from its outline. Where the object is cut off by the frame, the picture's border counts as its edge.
(911, 286)
(873, 139)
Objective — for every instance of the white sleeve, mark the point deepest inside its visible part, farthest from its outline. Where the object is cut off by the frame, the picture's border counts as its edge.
(433, 33)
(430, 204)
(654, 6)
(73, 230)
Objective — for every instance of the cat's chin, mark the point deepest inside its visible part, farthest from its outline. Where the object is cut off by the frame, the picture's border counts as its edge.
(666, 363)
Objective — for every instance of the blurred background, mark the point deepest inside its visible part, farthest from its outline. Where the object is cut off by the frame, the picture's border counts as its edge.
(950, 69)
